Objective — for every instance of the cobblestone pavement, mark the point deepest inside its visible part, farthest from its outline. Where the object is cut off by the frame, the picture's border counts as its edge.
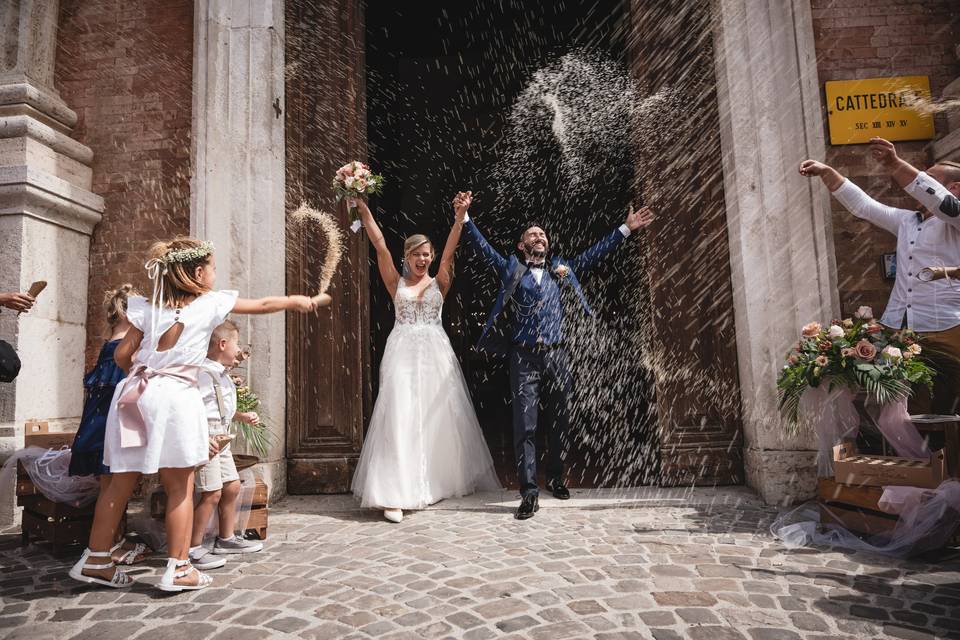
(647, 563)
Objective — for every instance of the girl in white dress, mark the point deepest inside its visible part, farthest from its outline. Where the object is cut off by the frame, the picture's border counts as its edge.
(424, 442)
(157, 421)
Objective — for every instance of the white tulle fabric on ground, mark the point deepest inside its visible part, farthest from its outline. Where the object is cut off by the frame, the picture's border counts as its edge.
(924, 524)
(49, 471)
(424, 443)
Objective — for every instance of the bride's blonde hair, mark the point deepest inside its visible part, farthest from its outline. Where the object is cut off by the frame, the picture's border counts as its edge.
(414, 242)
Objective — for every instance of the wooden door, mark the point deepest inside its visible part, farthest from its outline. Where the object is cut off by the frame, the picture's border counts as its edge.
(680, 174)
(328, 390)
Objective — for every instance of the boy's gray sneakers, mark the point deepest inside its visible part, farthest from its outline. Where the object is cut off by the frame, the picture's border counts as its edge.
(204, 560)
(236, 544)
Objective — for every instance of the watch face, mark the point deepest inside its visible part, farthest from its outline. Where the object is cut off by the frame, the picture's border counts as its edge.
(926, 274)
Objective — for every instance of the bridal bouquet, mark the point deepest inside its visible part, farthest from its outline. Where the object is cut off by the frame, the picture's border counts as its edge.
(355, 180)
(857, 353)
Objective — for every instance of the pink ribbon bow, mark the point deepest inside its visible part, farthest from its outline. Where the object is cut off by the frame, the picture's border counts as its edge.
(133, 428)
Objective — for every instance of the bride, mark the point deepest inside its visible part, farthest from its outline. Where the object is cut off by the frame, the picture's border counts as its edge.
(424, 442)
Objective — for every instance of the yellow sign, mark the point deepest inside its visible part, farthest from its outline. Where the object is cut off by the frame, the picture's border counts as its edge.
(890, 108)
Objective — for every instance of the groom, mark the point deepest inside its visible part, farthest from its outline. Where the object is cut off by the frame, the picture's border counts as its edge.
(527, 324)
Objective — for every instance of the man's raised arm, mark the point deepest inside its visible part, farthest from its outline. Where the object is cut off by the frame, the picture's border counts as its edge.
(853, 197)
(592, 257)
(490, 256)
(932, 194)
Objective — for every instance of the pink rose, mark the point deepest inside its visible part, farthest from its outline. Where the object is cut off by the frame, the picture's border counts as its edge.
(873, 328)
(561, 271)
(811, 330)
(792, 359)
(345, 170)
(866, 351)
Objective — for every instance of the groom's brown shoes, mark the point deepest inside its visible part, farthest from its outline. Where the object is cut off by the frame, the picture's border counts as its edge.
(528, 506)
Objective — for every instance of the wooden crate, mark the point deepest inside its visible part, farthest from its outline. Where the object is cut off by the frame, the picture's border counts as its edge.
(858, 520)
(62, 525)
(945, 431)
(857, 509)
(852, 468)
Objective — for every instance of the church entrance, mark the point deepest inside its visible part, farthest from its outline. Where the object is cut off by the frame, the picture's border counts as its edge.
(485, 96)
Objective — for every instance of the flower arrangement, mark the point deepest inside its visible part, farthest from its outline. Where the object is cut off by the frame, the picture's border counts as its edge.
(858, 353)
(355, 180)
(258, 437)
(188, 255)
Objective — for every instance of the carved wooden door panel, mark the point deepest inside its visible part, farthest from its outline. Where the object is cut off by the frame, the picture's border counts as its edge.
(680, 174)
(328, 390)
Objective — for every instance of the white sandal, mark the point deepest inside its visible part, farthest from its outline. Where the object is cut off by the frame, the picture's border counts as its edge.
(131, 555)
(173, 564)
(119, 580)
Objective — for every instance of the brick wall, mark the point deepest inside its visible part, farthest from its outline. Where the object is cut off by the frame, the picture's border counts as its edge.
(868, 39)
(125, 67)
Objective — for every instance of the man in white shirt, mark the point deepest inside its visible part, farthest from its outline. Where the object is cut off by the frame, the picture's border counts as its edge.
(925, 237)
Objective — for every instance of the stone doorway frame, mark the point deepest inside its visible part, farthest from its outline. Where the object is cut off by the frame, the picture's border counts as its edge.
(770, 119)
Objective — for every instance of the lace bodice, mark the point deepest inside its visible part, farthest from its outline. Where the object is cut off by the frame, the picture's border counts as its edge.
(411, 310)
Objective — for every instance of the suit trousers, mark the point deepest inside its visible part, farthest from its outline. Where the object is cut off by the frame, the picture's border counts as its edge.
(540, 379)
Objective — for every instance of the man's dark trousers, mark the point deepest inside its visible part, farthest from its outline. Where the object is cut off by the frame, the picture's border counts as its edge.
(539, 377)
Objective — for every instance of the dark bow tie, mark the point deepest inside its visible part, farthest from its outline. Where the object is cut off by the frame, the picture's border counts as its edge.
(536, 265)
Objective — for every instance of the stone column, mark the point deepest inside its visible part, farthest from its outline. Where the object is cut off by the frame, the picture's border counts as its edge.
(237, 198)
(781, 241)
(47, 214)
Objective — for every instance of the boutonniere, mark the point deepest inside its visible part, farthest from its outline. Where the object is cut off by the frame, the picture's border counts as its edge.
(561, 271)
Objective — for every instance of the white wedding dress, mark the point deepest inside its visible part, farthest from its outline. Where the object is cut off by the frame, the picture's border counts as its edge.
(424, 443)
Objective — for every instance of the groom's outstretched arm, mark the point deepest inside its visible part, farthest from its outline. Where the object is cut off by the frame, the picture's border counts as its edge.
(490, 256)
(593, 256)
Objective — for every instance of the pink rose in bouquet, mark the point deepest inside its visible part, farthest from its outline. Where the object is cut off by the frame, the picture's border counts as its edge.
(865, 350)
(811, 330)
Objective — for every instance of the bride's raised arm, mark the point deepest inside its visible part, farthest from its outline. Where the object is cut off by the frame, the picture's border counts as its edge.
(445, 274)
(388, 272)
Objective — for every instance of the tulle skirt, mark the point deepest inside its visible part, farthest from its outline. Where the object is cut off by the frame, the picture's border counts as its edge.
(424, 443)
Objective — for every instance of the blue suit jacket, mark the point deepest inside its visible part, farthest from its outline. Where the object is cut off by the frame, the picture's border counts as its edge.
(510, 271)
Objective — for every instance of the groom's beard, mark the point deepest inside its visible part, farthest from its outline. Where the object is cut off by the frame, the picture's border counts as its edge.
(535, 252)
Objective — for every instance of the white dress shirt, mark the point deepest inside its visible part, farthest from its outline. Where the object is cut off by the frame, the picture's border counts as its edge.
(928, 306)
(213, 375)
(537, 272)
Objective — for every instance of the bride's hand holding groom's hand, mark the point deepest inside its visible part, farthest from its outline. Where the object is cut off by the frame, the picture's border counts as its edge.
(461, 204)
(639, 219)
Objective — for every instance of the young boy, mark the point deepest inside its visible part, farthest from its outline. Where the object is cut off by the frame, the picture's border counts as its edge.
(218, 480)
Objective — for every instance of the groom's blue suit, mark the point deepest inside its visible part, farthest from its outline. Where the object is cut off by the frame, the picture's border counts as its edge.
(527, 324)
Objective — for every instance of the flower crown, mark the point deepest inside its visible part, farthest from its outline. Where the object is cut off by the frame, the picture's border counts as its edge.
(188, 255)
